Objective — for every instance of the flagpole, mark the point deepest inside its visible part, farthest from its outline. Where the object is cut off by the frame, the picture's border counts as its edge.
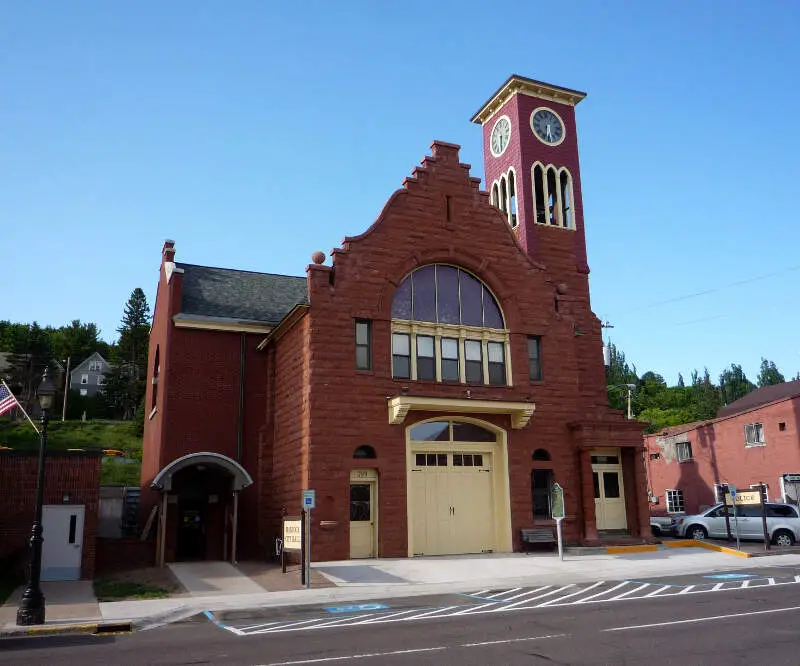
(19, 404)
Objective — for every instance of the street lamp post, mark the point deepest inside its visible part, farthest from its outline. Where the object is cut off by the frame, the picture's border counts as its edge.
(31, 607)
(629, 388)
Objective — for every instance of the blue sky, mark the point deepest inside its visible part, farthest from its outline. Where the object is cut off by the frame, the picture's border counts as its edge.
(253, 133)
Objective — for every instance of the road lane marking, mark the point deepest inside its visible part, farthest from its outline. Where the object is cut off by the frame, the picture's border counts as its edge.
(500, 594)
(717, 587)
(625, 594)
(687, 589)
(525, 594)
(655, 592)
(704, 619)
(381, 618)
(514, 640)
(600, 594)
(506, 607)
(574, 594)
(470, 609)
(366, 655)
(433, 612)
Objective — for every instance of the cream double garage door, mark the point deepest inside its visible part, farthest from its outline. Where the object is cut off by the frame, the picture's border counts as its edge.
(452, 503)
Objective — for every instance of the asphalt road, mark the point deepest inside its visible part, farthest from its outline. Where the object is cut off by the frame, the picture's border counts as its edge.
(752, 625)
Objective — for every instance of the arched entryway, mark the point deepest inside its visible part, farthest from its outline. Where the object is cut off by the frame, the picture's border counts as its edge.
(199, 507)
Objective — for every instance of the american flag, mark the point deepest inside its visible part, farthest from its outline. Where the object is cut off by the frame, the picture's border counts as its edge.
(7, 399)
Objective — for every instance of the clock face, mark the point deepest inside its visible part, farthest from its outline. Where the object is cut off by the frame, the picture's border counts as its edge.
(547, 126)
(501, 133)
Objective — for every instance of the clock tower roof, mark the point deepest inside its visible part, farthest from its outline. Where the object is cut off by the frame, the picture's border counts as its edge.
(521, 84)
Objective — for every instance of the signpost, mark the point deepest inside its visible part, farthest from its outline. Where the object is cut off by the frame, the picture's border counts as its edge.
(557, 511)
(732, 495)
(292, 535)
(757, 497)
(309, 502)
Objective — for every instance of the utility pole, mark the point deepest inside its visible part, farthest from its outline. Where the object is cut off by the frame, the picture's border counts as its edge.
(66, 391)
(630, 416)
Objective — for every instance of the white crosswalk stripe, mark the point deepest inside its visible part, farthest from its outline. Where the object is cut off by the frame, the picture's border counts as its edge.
(515, 599)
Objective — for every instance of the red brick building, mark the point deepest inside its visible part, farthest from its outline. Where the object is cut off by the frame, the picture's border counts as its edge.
(430, 384)
(69, 516)
(754, 439)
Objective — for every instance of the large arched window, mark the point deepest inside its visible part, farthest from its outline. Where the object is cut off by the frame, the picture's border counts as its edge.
(448, 327)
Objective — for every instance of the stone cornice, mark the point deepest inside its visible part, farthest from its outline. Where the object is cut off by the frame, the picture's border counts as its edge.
(520, 412)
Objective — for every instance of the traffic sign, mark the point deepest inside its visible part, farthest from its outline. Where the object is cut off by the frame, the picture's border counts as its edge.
(732, 490)
(791, 478)
(309, 499)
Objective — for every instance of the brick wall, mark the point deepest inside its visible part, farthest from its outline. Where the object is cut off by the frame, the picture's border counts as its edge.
(76, 475)
(719, 455)
(114, 555)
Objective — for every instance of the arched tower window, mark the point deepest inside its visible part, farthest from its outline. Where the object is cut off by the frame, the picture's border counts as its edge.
(538, 194)
(512, 198)
(448, 327)
(503, 195)
(553, 214)
(495, 195)
(565, 185)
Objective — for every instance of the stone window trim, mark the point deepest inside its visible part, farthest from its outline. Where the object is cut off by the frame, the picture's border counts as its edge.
(754, 435)
(675, 500)
(553, 196)
(452, 332)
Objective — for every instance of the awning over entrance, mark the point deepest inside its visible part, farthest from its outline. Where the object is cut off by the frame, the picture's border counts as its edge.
(241, 479)
(520, 412)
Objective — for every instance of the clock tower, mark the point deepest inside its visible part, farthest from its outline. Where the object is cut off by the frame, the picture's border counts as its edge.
(532, 170)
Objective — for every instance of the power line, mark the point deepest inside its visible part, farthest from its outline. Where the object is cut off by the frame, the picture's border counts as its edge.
(705, 292)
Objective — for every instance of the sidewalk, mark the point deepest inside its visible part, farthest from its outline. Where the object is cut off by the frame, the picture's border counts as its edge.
(362, 580)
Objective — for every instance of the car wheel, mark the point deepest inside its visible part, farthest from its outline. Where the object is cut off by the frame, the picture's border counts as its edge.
(697, 532)
(656, 530)
(783, 538)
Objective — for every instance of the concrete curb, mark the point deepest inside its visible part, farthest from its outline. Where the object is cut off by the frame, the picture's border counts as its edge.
(641, 548)
(693, 543)
(75, 628)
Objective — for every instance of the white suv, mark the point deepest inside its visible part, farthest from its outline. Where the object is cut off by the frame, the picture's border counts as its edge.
(783, 523)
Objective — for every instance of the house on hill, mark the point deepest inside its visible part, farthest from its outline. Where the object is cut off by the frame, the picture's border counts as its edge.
(88, 377)
(752, 440)
(431, 383)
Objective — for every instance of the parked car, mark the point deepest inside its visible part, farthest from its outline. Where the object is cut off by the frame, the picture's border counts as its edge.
(783, 523)
(661, 525)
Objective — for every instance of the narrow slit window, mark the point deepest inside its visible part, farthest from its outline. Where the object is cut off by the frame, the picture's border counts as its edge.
(495, 195)
(363, 344)
(503, 195)
(552, 197)
(73, 526)
(512, 198)
(534, 358)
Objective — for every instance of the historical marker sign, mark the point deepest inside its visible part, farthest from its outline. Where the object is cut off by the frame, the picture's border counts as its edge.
(557, 501)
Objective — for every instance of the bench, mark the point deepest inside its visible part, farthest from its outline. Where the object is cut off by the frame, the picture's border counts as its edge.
(539, 535)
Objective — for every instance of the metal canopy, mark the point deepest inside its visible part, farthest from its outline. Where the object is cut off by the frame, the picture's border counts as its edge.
(241, 479)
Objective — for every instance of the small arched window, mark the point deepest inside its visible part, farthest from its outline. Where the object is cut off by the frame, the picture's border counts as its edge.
(512, 198)
(538, 194)
(553, 214)
(565, 183)
(541, 455)
(364, 451)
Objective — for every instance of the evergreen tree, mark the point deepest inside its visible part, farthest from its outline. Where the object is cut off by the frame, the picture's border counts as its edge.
(29, 357)
(618, 373)
(680, 380)
(769, 374)
(733, 384)
(707, 399)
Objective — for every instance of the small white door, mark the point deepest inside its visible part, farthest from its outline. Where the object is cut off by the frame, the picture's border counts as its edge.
(609, 493)
(362, 520)
(62, 531)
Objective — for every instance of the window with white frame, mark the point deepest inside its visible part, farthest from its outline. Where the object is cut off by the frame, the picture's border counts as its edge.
(719, 491)
(448, 327)
(754, 434)
(683, 451)
(95, 366)
(85, 378)
(675, 502)
(101, 380)
(84, 392)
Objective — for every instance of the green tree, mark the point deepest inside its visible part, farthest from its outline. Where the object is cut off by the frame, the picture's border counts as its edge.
(681, 383)
(618, 374)
(77, 341)
(29, 357)
(706, 397)
(734, 384)
(769, 374)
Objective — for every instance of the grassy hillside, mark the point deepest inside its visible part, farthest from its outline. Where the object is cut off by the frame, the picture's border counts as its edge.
(87, 435)
(62, 435)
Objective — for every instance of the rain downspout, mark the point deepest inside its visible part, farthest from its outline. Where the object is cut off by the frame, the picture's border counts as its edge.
(240, 420)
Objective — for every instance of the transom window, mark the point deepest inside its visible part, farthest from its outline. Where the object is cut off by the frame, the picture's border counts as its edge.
(451, 431)
(448, 327)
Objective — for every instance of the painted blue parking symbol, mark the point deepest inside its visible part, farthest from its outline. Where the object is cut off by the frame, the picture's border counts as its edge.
(355, 608)
(731, 575)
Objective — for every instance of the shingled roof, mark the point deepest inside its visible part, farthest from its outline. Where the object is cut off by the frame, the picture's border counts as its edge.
(760, 397)
(240, 295)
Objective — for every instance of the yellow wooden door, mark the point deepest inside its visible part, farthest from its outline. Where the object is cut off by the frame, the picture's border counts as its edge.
(362, 520)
